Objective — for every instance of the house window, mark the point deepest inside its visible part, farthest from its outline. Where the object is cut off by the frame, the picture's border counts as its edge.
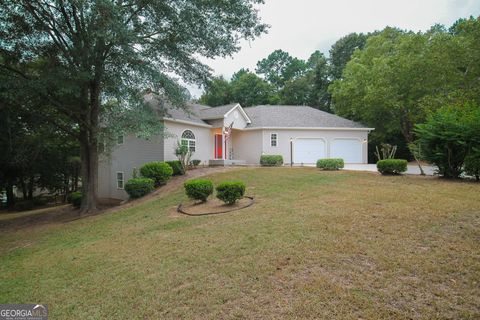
(120, 180)
(120, 139)
(273, 139)
(188, 139)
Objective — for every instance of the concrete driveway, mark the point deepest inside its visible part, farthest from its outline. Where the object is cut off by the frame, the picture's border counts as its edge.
(411, 169)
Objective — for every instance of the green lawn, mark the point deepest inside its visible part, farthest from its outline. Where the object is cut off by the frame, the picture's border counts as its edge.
(333, 245)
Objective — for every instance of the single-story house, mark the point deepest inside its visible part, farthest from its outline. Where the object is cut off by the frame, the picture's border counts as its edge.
(233, 135)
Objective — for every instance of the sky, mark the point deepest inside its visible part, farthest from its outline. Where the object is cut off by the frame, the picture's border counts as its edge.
(302, 26)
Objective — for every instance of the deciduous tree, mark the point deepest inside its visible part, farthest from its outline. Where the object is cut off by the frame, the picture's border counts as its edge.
(93, 51)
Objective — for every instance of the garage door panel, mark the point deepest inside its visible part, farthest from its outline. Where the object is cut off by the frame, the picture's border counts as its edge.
(350, 150)
(309, 150)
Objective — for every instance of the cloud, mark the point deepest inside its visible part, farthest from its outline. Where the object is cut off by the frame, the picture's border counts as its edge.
(303, 26)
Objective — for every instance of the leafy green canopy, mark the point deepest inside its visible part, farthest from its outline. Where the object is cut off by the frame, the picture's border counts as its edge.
(297, 83)
(450, 137)
(73, 57)
(399, 76)
(126, 45)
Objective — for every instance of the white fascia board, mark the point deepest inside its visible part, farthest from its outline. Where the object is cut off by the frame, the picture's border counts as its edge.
(311, 128)
(188, 122)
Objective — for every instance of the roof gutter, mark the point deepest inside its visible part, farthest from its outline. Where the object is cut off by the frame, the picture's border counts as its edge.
(311, 128)
(187, 122)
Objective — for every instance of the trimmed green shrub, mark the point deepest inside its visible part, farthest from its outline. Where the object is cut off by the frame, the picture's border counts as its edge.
(330, 164)
(392, 166)
(271, 160)
(230, 191)
(176, 167)
(198, 189)
(159, 172)
(195, 162)
(75, 198)
(139, 187)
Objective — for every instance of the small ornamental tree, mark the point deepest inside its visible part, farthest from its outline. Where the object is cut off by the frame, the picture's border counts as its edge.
(184, 155)
(450, 136)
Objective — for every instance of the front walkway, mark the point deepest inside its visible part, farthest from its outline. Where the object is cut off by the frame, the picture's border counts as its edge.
(411, 169)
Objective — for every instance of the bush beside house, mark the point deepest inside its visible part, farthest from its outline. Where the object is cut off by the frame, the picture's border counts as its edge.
(176, 167)
(392, 166)
(195, 162)
(271, 160)
(159, 172)
(139, 187)
(330, 164)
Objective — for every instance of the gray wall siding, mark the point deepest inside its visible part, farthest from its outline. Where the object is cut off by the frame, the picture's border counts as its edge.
(133, 153)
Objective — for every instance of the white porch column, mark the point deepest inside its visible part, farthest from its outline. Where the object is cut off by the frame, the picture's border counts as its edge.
(224, 146)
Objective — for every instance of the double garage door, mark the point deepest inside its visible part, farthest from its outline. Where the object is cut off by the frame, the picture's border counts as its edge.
(309, 150)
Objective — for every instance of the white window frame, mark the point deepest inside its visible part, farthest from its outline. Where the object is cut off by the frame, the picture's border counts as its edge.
(271, 140)
(118, 180)
(189, 142)
(118, 139)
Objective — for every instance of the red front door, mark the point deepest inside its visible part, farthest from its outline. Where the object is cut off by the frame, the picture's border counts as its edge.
(218, 146)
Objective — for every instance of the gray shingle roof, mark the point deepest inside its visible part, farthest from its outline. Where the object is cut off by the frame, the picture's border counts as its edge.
(296, 116)
(262, 116)
(192, 113)
(216, 112)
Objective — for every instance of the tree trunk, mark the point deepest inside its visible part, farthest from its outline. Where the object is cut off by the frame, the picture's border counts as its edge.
(89, 174)
(24, 188)
(31, 186)
(89, 151)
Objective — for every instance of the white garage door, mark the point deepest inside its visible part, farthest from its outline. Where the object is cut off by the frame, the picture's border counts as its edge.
(350, 150)
(309, 150)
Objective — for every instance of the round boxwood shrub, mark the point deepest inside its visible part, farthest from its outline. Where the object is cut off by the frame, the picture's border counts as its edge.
(271, 160)
(195, 162)
(198, 189)
(75, 198)
(392, 166)
(230, 191)
(330, 164)
(176, 167)
(159, 172)
(139, 187)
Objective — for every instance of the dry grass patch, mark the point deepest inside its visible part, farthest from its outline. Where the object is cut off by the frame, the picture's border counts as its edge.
(336, 245)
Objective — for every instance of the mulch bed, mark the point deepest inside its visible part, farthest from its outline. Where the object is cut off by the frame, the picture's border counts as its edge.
(213, 206)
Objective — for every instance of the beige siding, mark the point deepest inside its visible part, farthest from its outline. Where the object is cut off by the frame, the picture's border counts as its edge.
(247, 145)
(284, 135)
(203, 136)
(133, 153)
